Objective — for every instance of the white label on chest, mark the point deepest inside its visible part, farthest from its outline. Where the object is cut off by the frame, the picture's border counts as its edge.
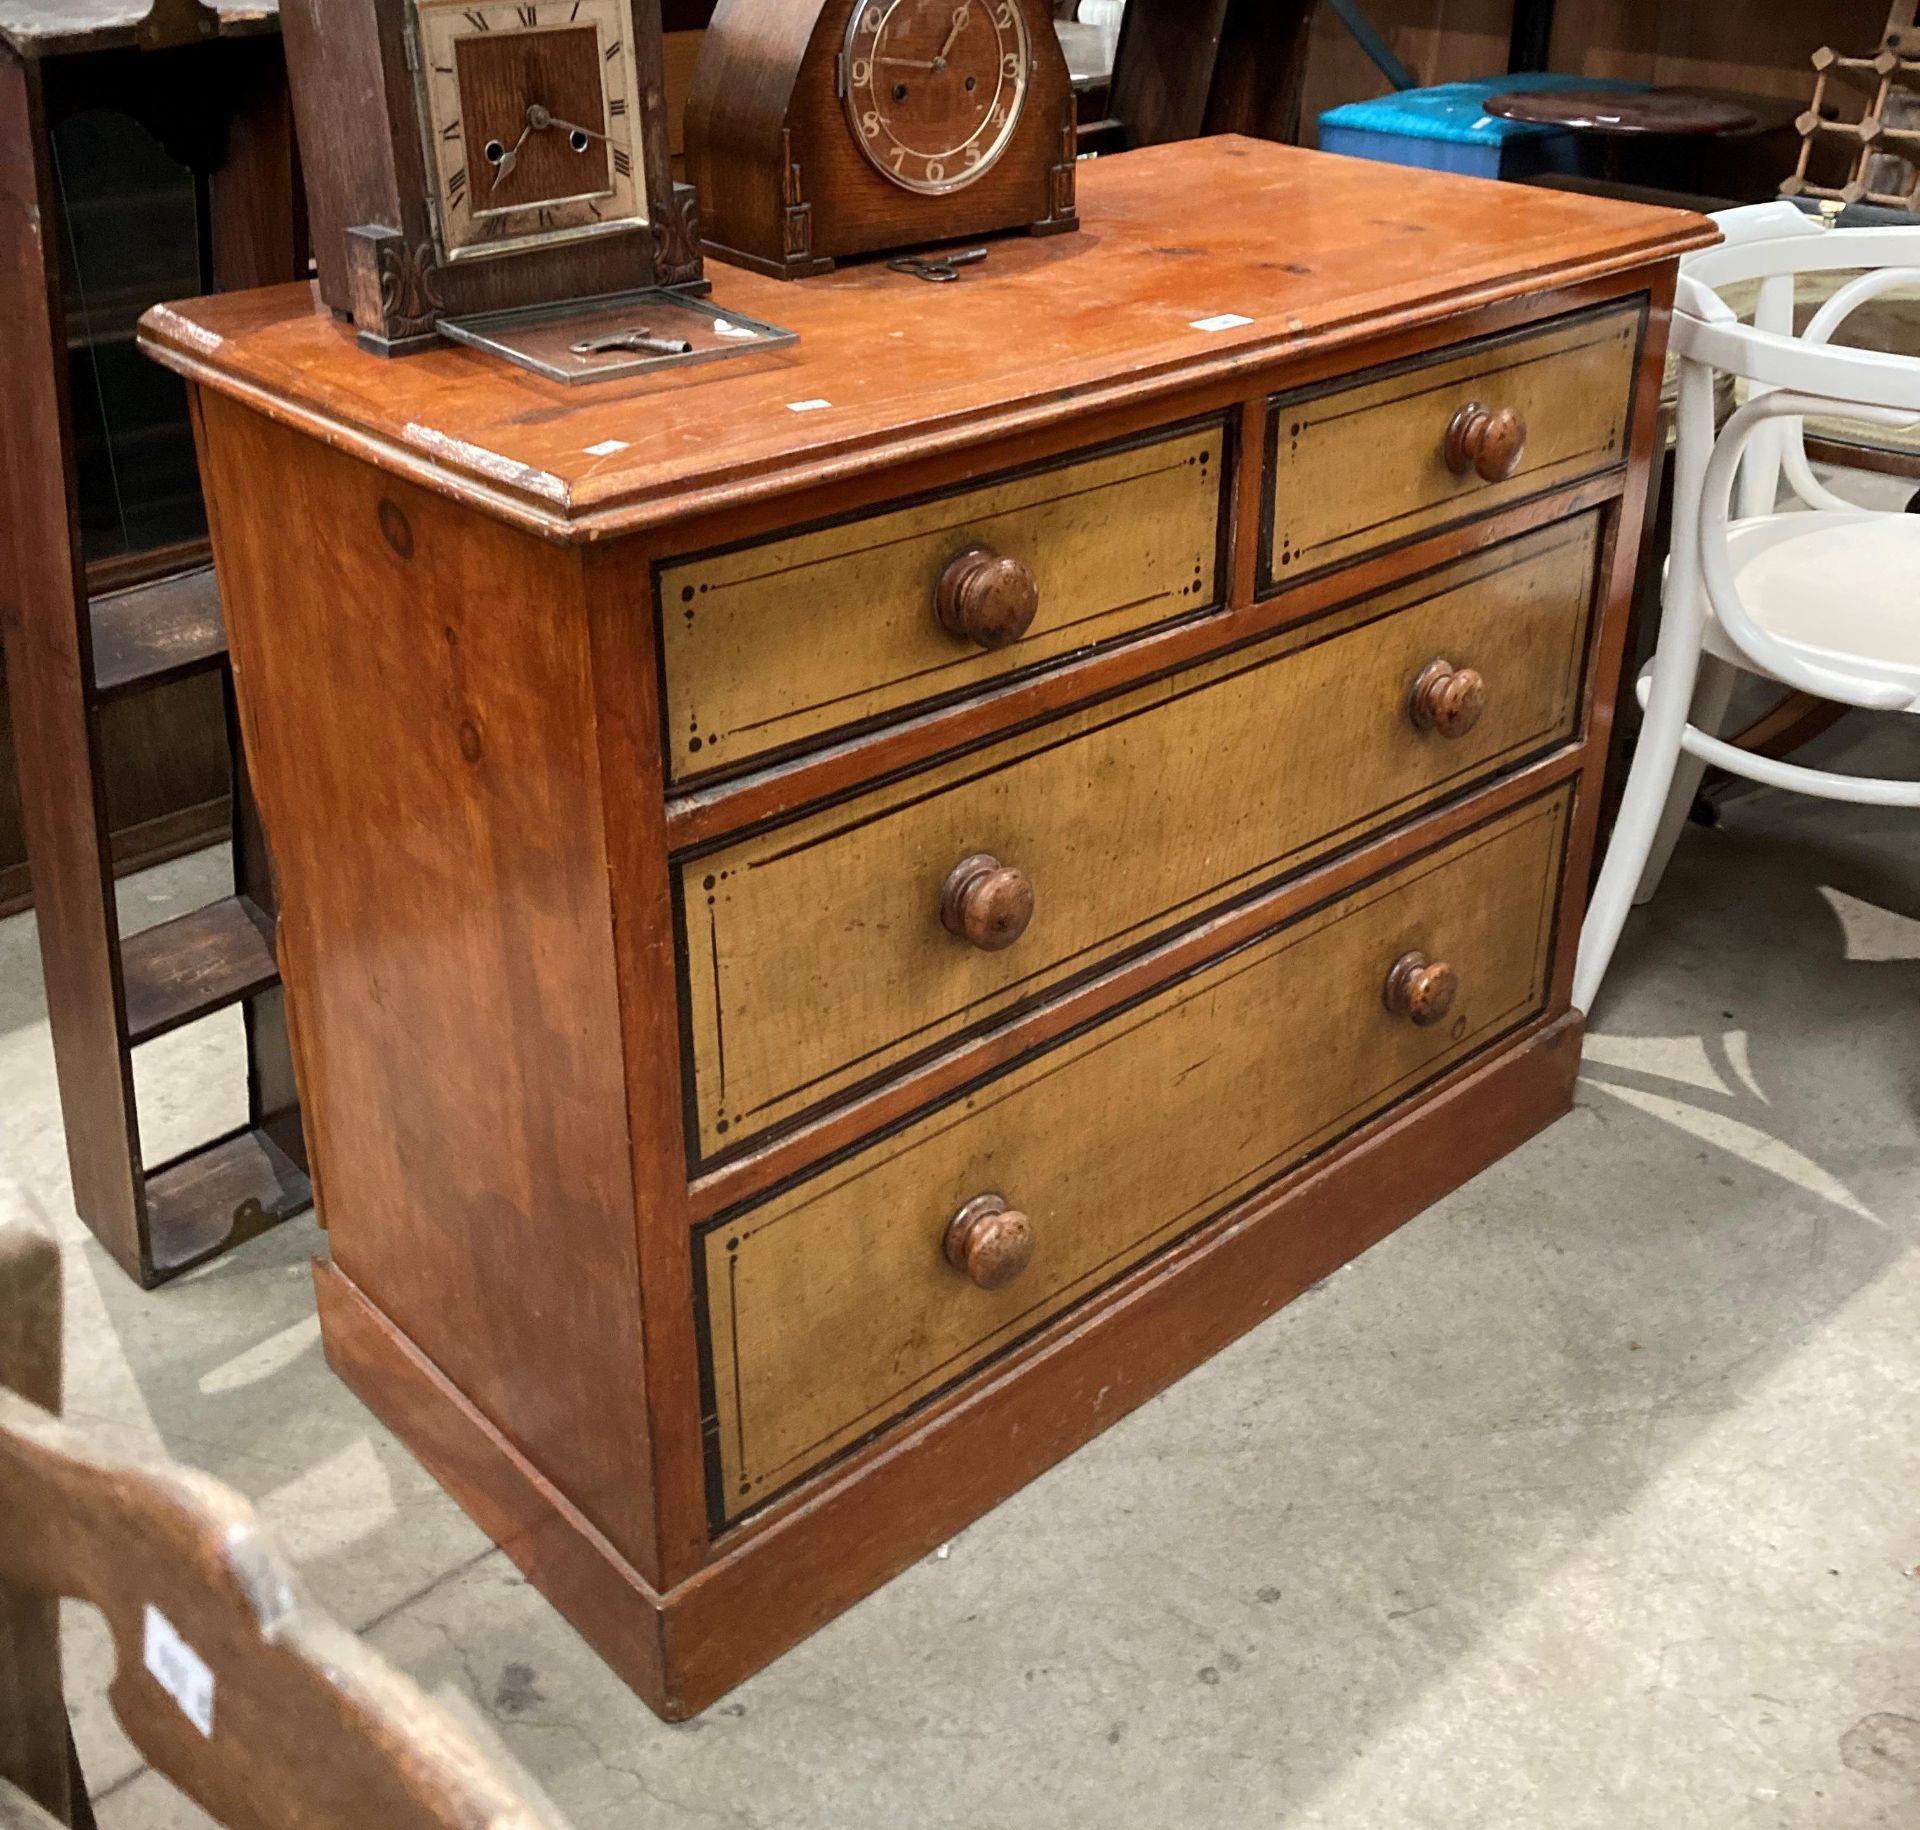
(1227, 320)
(607, 447)
(807, 406)
(179, 1670)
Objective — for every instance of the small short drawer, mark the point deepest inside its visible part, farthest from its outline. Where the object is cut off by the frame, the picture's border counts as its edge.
(787, 641)
(833, 950)
(1359, 465)
(838, 1304)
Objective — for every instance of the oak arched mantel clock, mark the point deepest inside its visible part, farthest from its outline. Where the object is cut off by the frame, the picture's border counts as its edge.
(467, 156)
(822, 129)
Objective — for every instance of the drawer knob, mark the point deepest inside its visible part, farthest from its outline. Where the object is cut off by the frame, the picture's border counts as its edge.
(1447, 699)
(1479, 439)
(985, 597)
(986, 902)
(1420, 989)
(990, 1241)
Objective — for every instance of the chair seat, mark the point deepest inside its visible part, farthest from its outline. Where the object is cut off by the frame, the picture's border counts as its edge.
(1837, 588)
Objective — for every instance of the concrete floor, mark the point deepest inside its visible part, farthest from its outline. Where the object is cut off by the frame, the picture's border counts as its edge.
(1588, 1499)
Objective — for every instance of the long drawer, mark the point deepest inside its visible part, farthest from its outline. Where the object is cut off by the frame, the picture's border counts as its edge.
(837, 1305)
(1362, 464)
(1108, 543)
(815, 956)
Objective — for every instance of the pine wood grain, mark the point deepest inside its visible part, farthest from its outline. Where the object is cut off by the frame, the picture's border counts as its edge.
(1049, 330)
(444, 901)
(463, 729)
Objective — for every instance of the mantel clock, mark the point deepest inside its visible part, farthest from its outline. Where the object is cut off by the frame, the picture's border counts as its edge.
(469, 156)
(820, 129)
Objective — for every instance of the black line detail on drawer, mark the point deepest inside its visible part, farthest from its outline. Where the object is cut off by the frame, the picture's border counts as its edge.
(1559, 802)
(1007, 1001)
(1268, 585)
(1231, 457)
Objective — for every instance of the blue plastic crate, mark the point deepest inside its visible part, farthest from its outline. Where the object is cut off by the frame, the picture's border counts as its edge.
(1447, 129)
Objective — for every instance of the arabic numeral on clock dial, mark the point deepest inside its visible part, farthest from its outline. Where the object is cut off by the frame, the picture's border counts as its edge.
(934, 90)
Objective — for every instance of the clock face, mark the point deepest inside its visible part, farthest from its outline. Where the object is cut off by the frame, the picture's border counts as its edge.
(531, 119)
(934, 88)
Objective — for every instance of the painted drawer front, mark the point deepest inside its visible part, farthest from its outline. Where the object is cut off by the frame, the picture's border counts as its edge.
(1359, 465)
(815, 958)
(832, 1308)
(778, 644)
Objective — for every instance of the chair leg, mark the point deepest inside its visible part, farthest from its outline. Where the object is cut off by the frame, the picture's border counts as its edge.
(1712, 693)
(1641, 808)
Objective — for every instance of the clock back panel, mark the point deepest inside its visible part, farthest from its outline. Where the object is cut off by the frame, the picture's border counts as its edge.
(784, 186)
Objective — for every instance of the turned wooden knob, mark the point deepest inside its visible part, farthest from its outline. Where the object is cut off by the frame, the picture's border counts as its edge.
(1482, 440)
(985, 597)
(990, 1241)
(1421, 989)
(986, 902)
(1447, 699)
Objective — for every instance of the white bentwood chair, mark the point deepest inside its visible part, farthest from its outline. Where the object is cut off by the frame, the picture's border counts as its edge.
(1825, 599)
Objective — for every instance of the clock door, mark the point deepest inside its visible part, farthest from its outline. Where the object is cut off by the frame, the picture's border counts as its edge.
(530, 113)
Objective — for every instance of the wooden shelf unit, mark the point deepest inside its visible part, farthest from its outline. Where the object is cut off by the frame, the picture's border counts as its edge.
(148, 634)
(85, 632)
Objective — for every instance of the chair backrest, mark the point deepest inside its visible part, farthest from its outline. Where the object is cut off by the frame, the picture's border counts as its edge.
(33, 1712)
(1789, 377)
(230, 1682)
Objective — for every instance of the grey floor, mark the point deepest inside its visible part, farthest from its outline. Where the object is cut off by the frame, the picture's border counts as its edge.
(1591, 1498)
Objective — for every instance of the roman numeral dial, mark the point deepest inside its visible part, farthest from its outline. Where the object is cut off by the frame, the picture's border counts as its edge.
(529, 115)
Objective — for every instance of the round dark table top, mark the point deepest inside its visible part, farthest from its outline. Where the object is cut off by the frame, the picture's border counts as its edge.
(1624, 111)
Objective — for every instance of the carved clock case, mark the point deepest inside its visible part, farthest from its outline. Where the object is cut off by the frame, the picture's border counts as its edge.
(819, 130)
(468, 156)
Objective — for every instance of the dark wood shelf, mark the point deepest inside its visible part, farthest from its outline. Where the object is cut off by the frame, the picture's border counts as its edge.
(229, 1191)
(195, 965)
(156, 632)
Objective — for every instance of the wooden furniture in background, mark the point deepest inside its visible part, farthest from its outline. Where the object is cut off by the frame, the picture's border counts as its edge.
(1701, 44)
(787, 138)
(1224, 66)
(230, 1682)
(105, 589)
(791, 1055)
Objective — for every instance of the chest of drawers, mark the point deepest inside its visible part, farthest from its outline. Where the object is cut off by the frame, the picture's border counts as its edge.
(850, 916)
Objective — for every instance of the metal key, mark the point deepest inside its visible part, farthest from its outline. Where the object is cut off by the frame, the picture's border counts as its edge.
(940, 268)
(639, 338)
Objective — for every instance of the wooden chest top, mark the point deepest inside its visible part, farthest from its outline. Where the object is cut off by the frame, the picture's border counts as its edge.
(1205, 259)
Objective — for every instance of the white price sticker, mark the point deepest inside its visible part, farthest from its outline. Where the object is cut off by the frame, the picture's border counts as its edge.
(807, 406)
(1227, 320)
(179, 1670)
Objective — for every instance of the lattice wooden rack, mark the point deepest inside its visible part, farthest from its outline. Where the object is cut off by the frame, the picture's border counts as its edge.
(1885, 138)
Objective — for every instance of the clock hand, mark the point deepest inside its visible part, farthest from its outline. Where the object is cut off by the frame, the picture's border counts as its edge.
(961, 15)
(511, 157)
(908, 63)
(553, 120)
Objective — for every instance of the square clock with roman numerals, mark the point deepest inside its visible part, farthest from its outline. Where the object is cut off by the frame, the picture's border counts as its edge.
(472, 156)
